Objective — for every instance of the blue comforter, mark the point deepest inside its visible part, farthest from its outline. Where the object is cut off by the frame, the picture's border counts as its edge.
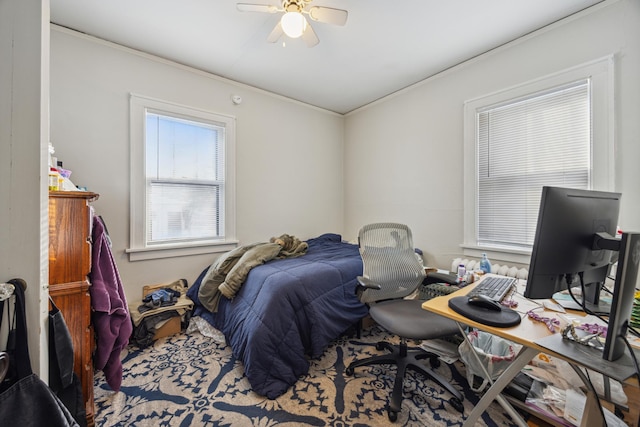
(289, 310)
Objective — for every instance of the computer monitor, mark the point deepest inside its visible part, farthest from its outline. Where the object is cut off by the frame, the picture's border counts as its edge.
(563, 248)
(575, 235)
(623, 295)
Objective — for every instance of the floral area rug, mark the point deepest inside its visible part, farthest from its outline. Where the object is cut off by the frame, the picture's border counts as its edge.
(193, 380)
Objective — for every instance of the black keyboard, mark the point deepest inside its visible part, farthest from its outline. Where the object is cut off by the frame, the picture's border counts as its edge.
(495, 288)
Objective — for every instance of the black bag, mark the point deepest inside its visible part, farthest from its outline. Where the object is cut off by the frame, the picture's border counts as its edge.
(62, 380)
(71, 397)
(4, 365)
(25, 399)
(60, 351)
(30, 403)
(17, 346)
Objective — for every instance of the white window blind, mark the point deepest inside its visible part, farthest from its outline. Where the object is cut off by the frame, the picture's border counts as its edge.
(185, 179)
(523, 144)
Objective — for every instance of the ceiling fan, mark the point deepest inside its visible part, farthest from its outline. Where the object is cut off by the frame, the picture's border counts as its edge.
(293, 23)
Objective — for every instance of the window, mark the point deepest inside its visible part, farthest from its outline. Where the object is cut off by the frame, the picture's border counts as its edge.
(543, 139)
(182, 194)
(555, 131)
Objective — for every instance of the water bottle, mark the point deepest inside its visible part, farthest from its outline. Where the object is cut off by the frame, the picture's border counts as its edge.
(485, 265)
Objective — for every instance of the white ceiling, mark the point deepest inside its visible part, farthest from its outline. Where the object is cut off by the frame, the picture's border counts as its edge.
(385, 46)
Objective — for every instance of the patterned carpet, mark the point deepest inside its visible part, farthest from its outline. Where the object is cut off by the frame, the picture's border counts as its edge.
(193, 380)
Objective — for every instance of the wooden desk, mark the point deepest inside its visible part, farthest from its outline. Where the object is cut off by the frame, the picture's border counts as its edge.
(527, 333)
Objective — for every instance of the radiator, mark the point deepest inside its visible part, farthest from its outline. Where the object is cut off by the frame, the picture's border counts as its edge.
(503, 270)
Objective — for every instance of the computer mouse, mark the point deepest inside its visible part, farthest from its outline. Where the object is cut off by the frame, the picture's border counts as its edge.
(484, 302)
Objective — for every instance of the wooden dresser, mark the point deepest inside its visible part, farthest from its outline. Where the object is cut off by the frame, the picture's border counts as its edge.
(69, 264)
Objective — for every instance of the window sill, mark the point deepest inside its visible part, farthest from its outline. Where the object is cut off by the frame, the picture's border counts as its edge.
(171, 251)
(508, 255)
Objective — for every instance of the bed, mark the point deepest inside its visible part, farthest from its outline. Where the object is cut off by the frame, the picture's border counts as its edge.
(289, 310)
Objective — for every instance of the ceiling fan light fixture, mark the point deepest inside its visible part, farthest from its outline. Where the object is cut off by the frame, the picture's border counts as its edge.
(293, 24)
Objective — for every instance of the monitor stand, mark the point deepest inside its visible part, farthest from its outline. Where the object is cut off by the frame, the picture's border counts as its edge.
(591, 300)
(602, 307)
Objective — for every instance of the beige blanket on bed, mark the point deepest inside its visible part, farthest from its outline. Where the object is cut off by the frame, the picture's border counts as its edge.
(228, 273)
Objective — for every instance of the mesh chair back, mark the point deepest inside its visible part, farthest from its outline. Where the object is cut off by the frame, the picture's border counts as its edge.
(389, 259)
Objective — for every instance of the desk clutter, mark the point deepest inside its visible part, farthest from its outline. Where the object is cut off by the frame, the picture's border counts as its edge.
(547, 385)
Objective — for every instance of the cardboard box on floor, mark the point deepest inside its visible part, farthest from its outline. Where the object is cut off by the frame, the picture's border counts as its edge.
(171, 326)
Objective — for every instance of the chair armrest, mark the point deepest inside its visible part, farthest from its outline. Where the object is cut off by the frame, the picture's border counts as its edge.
(365, 282)
(436, 277)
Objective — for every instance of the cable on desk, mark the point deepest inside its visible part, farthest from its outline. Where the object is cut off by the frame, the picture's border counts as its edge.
(586, 310)
(569, 279)
(515, 292)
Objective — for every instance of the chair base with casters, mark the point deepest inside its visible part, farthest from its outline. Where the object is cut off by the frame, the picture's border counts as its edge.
(423, 325)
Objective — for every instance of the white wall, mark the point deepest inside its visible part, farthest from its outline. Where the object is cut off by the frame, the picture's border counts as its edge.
(289, 155)
(404, 153)
(24, 127)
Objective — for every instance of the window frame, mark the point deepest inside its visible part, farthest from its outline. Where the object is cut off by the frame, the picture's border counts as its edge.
(601, 75)
(139, 250)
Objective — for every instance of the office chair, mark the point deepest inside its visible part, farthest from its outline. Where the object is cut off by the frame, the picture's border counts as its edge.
(391, 272)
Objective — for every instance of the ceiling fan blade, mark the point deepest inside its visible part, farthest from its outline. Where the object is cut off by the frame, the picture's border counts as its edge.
(328, 15)
(276, 33)
(309, 36)
(248, 7)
